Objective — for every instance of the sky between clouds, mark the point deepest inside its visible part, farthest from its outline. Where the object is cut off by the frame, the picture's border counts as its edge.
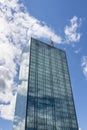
(16, 28)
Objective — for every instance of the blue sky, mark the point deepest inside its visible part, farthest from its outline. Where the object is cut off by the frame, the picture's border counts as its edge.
(65, 22)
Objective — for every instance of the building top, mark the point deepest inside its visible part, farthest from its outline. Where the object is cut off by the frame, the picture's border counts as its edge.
(51, 44)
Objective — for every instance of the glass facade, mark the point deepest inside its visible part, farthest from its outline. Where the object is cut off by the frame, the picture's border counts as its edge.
(50, 103)
(20, 109)
(46, 102)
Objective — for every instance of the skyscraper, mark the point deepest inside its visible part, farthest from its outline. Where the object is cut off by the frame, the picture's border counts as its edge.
(44, 99)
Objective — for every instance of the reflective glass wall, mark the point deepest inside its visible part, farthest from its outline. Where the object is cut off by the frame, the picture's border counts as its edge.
(20, 109)
(50, 103)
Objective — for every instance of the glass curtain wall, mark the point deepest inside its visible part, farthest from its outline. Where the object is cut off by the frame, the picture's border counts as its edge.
(50, 103)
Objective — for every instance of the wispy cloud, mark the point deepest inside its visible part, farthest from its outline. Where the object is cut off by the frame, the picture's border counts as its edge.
(80, 129)
(16, 28)
(77, 51)
(84, 65)
(71, 31)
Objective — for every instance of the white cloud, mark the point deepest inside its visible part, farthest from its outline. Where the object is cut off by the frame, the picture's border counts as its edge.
(80, 129)
(71, 31)
(7, 111)
(16, 28)
(84, 65)
(77, 51)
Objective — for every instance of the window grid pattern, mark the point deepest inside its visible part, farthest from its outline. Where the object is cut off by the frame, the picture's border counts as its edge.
(50, 100)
